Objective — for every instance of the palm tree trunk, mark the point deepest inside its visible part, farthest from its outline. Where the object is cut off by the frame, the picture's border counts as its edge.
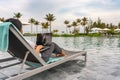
(50, 26)
(84, 29)
(74, 28)
(36, 29)
(31, 28)
(79, 29)
(66, 30)
(69, 31)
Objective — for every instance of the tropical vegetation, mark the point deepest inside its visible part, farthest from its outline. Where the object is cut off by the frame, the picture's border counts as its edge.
(2, 19)
(17, 15)
(45, 26)
(36, 23)
(72, 28)
(31, 21)
(50, 17)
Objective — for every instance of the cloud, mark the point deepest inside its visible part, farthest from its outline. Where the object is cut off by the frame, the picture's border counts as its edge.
(8, 7)
(40, 7)
(107, 10)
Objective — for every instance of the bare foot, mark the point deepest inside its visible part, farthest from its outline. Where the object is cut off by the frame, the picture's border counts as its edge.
(60, 55)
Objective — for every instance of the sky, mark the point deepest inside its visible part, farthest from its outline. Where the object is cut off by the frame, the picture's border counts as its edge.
(107, 10)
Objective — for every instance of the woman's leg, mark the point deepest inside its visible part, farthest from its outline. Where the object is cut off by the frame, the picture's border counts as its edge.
(47, 53)
(54, 48)
(57, 49)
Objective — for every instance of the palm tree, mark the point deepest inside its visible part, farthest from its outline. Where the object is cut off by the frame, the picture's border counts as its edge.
(62, 32)
(55, 31)
(50, 18)
(36, 23)
(84, 22)
(74, 24)
(66, 22)
(79, 22)
(119, 25)
(111, 26)
(90, 25)
(99, 22)
(44, 25)
(31, 21)
(103, 26)
(107, 25)
(69, 26)
(2, 19)
(94, 25)
(87, 30)
(17, 15)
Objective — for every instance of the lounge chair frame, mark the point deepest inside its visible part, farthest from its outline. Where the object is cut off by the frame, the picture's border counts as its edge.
(45, 66)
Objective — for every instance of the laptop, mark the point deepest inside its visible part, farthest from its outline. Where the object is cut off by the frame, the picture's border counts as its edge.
(44, 39)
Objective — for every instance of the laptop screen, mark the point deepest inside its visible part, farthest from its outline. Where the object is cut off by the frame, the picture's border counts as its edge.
(44, 39)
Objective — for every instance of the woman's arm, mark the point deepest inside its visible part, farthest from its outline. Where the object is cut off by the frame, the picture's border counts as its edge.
(38, 48)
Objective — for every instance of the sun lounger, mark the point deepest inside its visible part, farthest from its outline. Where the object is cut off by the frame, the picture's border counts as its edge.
(20, 49)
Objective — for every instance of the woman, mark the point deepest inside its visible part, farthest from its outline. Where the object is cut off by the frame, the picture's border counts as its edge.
(53, 47)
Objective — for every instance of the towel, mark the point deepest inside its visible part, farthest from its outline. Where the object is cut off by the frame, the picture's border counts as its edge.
(4, 36)
(51, 60)
(36, 65)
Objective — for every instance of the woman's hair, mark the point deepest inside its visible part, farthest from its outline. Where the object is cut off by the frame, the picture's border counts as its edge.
(16, 22)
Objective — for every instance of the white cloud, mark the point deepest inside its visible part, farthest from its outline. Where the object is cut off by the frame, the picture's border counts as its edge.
(9, 7)
(107, 10)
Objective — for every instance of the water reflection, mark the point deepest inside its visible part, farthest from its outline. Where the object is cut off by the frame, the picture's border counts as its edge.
(118, 42)
(104, 64)
(81, 43)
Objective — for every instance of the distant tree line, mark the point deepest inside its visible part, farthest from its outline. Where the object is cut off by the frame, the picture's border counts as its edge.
(86, 23)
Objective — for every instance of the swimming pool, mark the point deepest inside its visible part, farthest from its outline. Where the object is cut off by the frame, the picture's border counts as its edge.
(103, 60)
(85, 43)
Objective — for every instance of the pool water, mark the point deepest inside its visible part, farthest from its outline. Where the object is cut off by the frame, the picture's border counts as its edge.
(103, 61)
(111, 44)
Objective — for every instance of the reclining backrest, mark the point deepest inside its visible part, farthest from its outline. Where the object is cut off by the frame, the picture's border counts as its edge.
(18, 49)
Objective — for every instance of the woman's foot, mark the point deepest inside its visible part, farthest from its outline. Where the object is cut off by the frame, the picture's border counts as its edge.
(60, 55)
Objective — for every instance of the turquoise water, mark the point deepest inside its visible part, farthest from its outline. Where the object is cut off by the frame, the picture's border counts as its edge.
(103, 61)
